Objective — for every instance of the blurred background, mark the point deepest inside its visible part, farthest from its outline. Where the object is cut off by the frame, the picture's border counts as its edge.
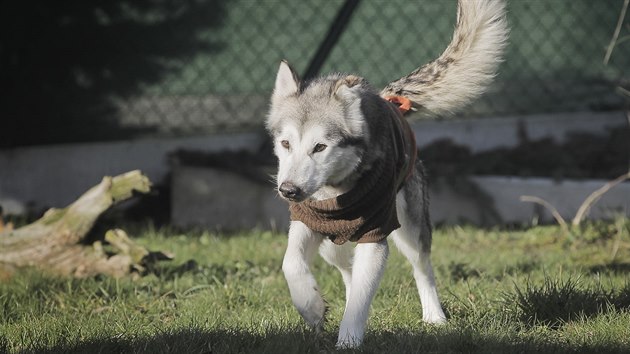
(98, 87)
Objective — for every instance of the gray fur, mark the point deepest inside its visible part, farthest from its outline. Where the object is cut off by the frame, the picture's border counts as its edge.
(416, 195)
(348, 117)
(467, 66)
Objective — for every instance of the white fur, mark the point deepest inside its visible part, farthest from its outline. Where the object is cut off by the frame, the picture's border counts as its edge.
(286, 85)
(296, 267)
(313, 171)
(361, 270)
(405, 238)
(369, 264)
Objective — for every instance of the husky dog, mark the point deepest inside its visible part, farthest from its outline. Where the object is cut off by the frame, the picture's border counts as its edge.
(347, 167)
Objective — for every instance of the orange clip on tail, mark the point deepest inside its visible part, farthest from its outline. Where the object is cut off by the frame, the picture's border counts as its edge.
(403, 103)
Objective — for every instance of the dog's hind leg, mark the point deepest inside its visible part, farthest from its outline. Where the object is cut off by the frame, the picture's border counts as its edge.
(413, 239)
(339, 256)
(367, 269)
(301, 248)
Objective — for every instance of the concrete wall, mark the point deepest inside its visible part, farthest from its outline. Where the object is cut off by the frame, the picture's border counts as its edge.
(499, 200)
(223, 200)
(489, 133)
(45, 176)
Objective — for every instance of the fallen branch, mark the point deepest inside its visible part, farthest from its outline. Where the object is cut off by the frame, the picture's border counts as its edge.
(584, 208)
(594, 197)
(54, 242)
(554, 212)
(613, 40)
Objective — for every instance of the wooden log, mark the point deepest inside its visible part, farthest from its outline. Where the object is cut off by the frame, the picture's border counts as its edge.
(54, 242)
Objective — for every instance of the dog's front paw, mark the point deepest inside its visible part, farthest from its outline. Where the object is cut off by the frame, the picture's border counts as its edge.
(349, 338)
(348, 342)
(434, 317)
(312, 308)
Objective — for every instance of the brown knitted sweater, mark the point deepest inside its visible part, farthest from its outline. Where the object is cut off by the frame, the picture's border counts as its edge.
(366, 213)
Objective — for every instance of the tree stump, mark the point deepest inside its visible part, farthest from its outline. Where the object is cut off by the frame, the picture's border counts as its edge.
(56, 242)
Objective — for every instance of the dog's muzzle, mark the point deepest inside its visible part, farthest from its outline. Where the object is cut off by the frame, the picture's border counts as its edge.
(291, 191)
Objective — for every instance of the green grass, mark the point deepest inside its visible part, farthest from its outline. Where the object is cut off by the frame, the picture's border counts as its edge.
(504, 292)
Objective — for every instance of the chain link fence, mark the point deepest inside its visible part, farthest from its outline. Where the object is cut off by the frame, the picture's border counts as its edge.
(104, 70)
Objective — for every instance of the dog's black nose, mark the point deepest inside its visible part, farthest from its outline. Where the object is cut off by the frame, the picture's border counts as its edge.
(289, 190)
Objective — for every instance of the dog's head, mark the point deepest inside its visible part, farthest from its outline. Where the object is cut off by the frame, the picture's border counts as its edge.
(318, 129)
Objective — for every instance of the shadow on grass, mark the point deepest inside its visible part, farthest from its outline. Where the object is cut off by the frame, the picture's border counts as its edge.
(301, 341)
(236, 271)
(556, 302)
(614, 268)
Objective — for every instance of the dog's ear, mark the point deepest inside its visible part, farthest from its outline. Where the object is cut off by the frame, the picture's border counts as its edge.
(346, 87)
(347, 90)
(287, 81)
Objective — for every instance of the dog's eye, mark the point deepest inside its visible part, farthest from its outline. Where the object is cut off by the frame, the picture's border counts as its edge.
(319, 148)
(285, 144)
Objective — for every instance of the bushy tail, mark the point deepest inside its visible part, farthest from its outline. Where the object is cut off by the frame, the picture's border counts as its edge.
(466, 67)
